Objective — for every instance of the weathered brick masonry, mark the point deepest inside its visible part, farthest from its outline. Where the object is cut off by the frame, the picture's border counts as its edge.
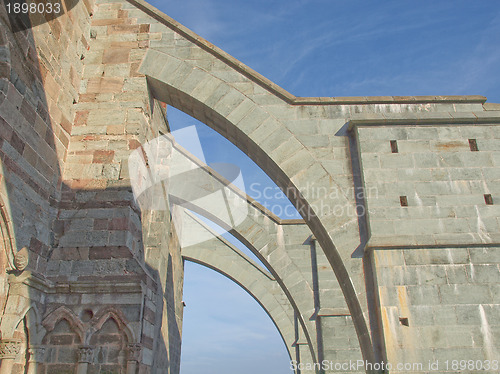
(66, 130)
(91, 281)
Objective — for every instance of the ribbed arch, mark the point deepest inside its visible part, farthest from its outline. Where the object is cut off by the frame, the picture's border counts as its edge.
(255, 131)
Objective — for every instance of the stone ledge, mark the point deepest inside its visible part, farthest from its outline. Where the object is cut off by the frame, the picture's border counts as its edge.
(102, 286)
(333, 312)
(425, 119)
(491, 106)
(382, 244)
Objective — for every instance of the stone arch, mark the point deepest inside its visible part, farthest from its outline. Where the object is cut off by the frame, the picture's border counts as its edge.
(50, 322)
(275, 258)
(7, 245)
(36, 330)
(21, 335)
(15, 310)
(64, 337)
(109, 343)
(252, 233)
(110, 338)
(285, 327)
(261, 231)
(221, 256)
(104, 315)
(7, 239)
(213, 97)
(26, 331)
(282, 318)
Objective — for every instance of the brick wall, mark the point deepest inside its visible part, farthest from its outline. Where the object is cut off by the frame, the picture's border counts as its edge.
(72, 108)
(62, 349)
(39, 78)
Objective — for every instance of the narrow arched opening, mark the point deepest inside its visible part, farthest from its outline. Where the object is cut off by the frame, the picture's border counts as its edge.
(225, 330)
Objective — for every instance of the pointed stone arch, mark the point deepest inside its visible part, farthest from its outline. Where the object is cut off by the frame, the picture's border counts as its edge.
(259, 231)
(34, 325)
(104, 315)
(64, 338)
(7, 252)
(212, 95)
(50, 322)
(110, 339)
(7, 239)
(221, 256)
(13, 307)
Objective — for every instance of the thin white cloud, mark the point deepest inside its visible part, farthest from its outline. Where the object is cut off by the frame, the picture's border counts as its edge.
(201, 16)
(482, 68)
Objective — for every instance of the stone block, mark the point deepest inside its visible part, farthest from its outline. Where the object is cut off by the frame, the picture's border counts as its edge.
(423, 132)
(465, 294)
(424, 295)
(111, 171)
(252, 120)
(487, 144)
(485, 273)
(193, 79)
(104, 85)
(425, 275)
(477, 159)
(213, 94)
(445, 315)
(298, 162)
(229, 103)
(484, 255)
(397, 161)
(458, 274)
(116, 56)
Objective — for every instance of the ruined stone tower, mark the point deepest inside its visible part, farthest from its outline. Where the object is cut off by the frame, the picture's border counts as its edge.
(396, 262)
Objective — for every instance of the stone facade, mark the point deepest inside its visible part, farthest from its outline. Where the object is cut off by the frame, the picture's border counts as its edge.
(396, 258)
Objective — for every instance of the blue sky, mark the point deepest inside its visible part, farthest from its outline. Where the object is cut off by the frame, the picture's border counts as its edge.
(357, 48)
(320, 48)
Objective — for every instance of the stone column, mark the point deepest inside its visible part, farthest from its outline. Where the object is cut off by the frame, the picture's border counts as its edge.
(133, 357)
(85, 356)
(9, 349)
(36, 356)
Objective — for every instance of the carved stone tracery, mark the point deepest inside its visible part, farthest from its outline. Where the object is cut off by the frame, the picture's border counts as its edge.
(9, 348)
(134, 352)
(86, 354)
